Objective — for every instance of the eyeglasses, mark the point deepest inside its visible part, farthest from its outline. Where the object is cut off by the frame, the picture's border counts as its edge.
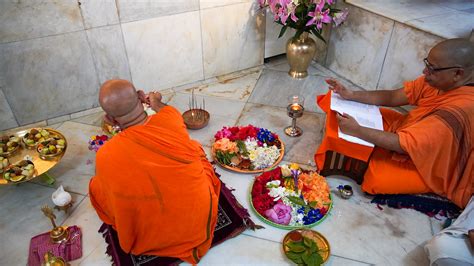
(432, 69)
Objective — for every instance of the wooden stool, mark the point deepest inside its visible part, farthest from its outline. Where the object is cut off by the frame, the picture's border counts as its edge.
(339, 164)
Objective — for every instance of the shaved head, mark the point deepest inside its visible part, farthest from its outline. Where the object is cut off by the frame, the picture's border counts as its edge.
(117, 97)
(454, 52)
(122, 102)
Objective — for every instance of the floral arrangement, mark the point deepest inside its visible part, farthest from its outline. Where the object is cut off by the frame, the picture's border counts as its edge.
(247, 148)
(290, 196)
(305, 15)
(95, 142)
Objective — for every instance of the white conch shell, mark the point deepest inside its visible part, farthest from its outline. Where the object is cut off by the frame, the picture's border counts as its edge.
(61, 197)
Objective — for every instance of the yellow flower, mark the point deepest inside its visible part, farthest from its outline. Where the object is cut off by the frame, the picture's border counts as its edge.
(294, 166)
(252, 156)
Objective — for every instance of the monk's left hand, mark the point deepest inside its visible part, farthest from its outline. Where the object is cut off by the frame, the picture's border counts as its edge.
(347, 124)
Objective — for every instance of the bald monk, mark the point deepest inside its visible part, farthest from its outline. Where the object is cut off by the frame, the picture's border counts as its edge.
(153, 184)
(430, 149)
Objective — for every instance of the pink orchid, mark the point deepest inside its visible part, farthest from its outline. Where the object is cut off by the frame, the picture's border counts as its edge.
(340, 17)
(319, 18)
(280, 214)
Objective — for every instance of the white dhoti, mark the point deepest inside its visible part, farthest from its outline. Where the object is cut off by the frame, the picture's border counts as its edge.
(451, 246)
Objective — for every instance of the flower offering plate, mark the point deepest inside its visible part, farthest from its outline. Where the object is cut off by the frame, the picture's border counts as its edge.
(275, 200)
(247, 149)
(306, 247)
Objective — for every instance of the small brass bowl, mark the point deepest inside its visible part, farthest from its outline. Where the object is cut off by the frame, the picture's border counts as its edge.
(24, 138)
(8, 154)
(196, 118)
(51, 156)
(24, 178)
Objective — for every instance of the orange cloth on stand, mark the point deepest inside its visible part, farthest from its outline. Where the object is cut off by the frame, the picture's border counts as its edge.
(154, 185)
(438, 137)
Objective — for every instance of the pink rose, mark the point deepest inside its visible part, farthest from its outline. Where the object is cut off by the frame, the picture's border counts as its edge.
(280, 214)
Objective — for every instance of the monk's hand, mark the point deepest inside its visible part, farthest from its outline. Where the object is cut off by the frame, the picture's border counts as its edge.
(340, 89)
(155, 100)
(347, 124)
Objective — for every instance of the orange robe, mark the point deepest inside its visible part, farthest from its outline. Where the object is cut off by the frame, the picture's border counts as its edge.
(154, 185)
(438, 137)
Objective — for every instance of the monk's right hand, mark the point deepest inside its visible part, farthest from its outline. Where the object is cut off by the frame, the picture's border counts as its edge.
(338, 88)
(155, 101)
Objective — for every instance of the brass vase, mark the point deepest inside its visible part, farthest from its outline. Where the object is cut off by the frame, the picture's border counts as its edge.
(299, 52)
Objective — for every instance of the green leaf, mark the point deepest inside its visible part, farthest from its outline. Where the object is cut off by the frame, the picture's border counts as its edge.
(296, 247)
(307, 242)
(282, 31)
(242, 148)
(307, 258)
(298, 33)
(318, 34)
(296, 258)
(296, 200)
(313, 204)
(316, 259)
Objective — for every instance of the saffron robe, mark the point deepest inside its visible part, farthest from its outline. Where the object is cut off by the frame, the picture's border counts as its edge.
(154, 185)
(438, 136)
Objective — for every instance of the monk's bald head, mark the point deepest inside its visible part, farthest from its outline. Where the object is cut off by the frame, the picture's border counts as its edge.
(118, 97)
(454, 52)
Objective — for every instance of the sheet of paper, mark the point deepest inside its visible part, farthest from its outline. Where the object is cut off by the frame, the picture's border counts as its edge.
(365, 114)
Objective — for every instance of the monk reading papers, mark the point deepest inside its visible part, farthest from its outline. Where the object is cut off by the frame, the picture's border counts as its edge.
(153, 184)
(430, 148)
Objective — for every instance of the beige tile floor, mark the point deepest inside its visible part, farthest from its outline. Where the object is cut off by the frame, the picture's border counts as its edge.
(359, 233)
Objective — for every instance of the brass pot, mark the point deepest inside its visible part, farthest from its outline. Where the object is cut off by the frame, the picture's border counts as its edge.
(299, 52)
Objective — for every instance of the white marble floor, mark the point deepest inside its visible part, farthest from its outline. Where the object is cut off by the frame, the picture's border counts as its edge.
(359, 232)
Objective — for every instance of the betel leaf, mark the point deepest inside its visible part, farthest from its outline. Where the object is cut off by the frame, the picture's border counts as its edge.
(242, 148)
(297, 200)
(306, 257)
(296, 258)
(307, 242)
(316, 259)
(282, 31)
(296, 247)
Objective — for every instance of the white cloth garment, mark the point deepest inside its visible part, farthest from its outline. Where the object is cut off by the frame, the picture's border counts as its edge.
(451, 246)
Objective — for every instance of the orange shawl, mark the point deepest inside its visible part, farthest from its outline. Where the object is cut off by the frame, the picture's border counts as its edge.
(438, 135)
(154, 185)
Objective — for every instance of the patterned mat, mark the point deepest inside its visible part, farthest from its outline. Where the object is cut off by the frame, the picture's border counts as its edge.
(233, 219)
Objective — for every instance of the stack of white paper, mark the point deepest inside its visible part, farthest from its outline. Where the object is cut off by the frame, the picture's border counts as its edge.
(365, 114)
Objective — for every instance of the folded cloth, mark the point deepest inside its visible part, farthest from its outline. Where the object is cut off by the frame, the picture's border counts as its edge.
(232, 220)
(68, 250)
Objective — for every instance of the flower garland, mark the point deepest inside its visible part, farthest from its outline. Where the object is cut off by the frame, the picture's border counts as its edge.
(288, 195)
(248, 147)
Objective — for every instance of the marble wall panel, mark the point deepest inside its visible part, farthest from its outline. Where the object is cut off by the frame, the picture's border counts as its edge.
(133, 10)
(273, 44)
(20, 20)
(404, 60)
(165, 51)
(357, 48)
(108, 52)
(446, 25)
(7, 120)
(46, 77)
(215, 3)
(99, 13)
(232, 37)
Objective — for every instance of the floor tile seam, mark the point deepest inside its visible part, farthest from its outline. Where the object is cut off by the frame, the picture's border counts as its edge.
(69, 215)
(385, 56)
(214, 97)
(53, 188)
(452, 11)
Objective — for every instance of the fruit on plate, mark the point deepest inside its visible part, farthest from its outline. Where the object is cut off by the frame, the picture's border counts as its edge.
(9, 144)
(35, 136)
(23, 169)
(3, 163)
(51, 146)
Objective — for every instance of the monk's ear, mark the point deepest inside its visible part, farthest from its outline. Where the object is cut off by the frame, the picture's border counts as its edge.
(459, 74)
(110, 120)
(142, 96)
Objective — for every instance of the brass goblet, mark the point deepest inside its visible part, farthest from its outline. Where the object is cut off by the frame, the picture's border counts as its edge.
(294, 110)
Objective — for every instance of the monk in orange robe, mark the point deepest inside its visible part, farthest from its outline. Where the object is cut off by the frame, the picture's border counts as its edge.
(430, 149)
(153, 184)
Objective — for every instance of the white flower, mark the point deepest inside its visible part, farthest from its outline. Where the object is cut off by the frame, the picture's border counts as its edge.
(274, 183)
(285, 170)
